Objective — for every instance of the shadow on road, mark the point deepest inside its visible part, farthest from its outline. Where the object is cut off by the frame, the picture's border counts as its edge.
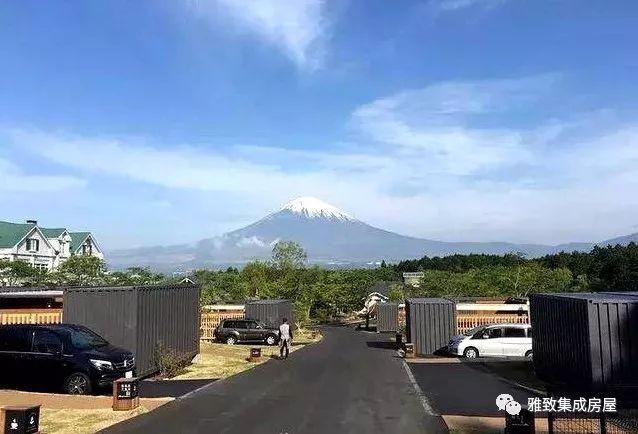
(382, 345)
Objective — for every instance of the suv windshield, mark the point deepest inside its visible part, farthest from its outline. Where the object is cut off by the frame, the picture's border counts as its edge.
(85, 339)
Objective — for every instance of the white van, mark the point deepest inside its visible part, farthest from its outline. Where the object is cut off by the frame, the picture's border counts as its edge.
(498, 340)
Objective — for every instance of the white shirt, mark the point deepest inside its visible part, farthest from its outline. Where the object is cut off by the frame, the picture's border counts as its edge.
(284, 331)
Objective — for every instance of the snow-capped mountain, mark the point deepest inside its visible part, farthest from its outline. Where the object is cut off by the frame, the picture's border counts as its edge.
(329, 235)
(311, 207)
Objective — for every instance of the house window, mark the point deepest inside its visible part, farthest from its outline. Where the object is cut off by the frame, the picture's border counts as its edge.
(33, 245)
(41, 267)
(87, 249)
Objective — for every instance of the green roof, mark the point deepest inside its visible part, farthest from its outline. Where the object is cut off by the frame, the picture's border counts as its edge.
(52, 233)
(12, 233)
(77, 238)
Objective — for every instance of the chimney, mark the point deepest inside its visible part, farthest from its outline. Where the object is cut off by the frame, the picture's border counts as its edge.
(32, 222)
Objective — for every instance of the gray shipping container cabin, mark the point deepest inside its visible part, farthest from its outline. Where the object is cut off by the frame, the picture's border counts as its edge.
(586, 341)
(430, 324)
(139, 318)
(270, 312)
(387, 317)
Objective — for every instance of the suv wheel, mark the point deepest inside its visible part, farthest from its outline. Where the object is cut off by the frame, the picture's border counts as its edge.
(529, 354)
(231, 340)
(271, 340)
(471, 353)
(77, 384)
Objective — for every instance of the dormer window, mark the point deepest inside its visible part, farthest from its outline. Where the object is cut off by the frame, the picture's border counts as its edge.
(33, 245)
(87, 249)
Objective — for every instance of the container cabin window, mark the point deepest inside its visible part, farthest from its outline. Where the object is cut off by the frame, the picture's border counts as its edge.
(33, 245)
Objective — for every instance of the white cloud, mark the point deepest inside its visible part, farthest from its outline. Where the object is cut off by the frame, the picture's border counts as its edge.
(444, 162)
(435, 123)
(296, 27)
(13, 179)
(452, 5)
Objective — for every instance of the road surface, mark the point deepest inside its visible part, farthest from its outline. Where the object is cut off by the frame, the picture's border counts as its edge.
(465, 388)
(348, 383)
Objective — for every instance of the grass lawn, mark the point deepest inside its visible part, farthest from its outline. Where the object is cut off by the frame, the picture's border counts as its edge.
(222, 360)
(82, 421)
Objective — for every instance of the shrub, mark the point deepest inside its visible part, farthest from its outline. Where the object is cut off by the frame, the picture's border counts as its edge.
(168, 361)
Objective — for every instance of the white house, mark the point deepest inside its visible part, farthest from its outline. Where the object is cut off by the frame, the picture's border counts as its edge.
(44, 248)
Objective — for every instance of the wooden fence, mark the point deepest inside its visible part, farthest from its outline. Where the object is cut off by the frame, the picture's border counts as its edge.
(30, 316)
(210, 320)
(468, 322)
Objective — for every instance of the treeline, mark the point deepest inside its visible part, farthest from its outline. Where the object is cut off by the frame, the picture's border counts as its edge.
(610, 268)
(317, 292)
(76, 271)
(458, 263)
(320, 293)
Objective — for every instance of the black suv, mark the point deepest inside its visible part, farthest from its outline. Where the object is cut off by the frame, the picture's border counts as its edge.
(232, 331)
(62, 356)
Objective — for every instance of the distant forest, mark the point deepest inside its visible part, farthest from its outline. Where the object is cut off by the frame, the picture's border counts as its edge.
(611, 268)
(321, 293)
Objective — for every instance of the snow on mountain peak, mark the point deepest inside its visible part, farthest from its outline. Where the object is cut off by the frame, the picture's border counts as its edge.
(312, 207)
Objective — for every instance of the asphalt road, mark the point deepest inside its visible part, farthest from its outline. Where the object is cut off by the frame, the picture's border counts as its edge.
(465, 388)
(349, 383)
(169, 388)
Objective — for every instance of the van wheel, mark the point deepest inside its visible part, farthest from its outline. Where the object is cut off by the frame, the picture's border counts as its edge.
(231, 340)
(470, 353)
(77, 384)
(271, 340)
(529, 354)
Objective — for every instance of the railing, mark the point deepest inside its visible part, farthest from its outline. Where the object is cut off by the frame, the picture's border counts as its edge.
(30, 316)
(210, 320)
(468, 322)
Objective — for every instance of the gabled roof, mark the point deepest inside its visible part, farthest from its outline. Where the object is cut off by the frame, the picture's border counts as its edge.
(77, 239)
(12, 233)
(53, 233)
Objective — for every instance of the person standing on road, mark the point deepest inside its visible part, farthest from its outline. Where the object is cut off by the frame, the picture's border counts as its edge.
(285, 338)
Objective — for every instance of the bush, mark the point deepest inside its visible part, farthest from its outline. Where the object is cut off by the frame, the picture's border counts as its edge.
(169, 362)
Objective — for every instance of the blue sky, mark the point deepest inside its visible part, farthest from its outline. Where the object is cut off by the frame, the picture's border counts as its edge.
(167, 122)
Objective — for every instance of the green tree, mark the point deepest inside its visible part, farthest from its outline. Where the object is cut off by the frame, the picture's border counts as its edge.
(396, 293)
(19, 273)
(288, 255)
(255, 275)
(80, 270)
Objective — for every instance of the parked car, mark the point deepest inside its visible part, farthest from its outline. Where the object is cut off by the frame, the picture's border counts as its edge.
(233, 331)
(499, 340)
(64, 357)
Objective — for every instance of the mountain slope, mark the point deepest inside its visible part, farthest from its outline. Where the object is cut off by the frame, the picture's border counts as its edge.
(329, 235)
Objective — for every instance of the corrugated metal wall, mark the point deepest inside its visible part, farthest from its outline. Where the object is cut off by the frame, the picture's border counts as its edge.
(560, 339)
(109, 311)
(430, 323)
(387, 317)
(139, 318)
(586, 341)
(270, 312)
